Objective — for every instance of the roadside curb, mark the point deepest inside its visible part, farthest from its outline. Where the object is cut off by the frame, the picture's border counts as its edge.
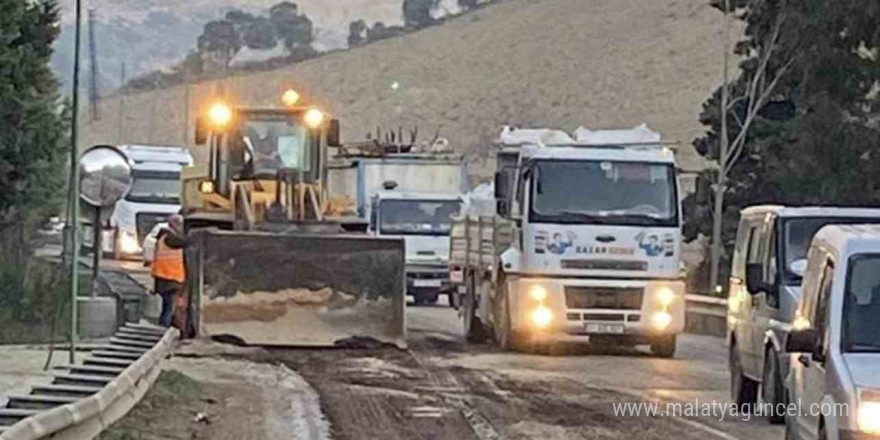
(87, 417)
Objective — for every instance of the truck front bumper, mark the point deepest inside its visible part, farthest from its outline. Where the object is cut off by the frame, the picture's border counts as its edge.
(563, 309)
(421, 278)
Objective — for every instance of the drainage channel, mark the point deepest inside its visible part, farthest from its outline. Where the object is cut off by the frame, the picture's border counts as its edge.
(74, 382)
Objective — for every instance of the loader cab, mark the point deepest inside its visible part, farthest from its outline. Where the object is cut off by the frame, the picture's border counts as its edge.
(257, 144)
(253, 159)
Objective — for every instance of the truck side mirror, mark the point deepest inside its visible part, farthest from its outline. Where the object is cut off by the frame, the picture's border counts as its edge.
(754, 278)
(801, 341)
(333, 134)
(201, 134)
(502, 207)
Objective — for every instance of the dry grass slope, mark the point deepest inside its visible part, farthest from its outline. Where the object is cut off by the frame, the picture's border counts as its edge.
(599, 63)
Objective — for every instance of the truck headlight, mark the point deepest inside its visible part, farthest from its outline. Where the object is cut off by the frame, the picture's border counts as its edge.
(538, 293)
(869, 411)
(666, 296)
(661, 320)
(541, 316)
(128, 243)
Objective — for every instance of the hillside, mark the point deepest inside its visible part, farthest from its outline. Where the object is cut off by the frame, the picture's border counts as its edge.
(599, 63)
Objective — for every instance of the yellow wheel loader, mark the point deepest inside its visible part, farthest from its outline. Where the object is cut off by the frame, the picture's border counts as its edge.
(274, 259)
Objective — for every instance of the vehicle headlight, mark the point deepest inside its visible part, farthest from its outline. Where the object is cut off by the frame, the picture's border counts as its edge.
(128, 243)
(538, 293)
(542, 316)
(661, 320)
(666, 296)
(869, 411)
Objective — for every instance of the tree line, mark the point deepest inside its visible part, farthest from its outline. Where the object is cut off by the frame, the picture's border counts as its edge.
(222, 39)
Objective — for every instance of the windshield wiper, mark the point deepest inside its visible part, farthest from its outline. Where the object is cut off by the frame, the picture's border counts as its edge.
(614, 217)
(862, 348)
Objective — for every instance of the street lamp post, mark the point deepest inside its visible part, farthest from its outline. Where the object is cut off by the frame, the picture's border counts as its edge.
(73, 223)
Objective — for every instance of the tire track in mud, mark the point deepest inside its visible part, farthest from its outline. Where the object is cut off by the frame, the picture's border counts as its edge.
(453, 395)
(386, 393)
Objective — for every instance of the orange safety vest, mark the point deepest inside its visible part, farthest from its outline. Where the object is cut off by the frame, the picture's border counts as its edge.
(168, 263)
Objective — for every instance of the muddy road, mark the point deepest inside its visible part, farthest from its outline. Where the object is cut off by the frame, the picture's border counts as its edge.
(443, 388)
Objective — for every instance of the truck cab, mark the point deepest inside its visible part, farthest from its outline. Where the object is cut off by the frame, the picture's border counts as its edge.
(595, 248)
(424, 221)
(154, 195)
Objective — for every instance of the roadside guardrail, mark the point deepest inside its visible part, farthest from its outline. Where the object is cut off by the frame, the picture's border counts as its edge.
(84, 399)
(705, 315)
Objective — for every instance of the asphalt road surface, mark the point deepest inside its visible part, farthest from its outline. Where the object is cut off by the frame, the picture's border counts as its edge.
(445, 388)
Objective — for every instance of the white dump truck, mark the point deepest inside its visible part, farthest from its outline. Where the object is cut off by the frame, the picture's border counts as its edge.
(584, 243)
(154, 195)
(424, 220)
(412, 196)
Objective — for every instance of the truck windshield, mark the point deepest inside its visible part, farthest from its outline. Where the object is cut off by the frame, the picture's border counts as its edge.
(155, 187)
(417, 217)
(861, 305)
(271, 142)
(604, 192)
(799, 233)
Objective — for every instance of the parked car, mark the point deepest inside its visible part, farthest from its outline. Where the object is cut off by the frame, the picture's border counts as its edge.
(150, 243)
(765, 283)
(835, 342)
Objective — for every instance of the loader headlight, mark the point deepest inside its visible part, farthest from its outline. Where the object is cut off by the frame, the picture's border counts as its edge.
(128, 243)
(206, 187)
(661, 320)
(541, 316)
(869, 411)
(314, 118)
(290, 97)
(665, 296)
(220, 115)
(538, 293)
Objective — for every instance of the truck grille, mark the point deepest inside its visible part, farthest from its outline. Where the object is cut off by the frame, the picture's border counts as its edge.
(428, 275)
(145, 222)
(605, 265)
(614, 298)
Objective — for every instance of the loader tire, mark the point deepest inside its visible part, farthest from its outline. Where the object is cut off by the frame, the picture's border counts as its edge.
(474, 330)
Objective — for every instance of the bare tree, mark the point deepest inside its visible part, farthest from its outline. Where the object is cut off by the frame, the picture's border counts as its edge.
(759, 89)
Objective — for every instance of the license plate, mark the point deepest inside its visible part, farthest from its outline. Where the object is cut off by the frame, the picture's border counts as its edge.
(427, 283)
(598, 327)
(456, 277)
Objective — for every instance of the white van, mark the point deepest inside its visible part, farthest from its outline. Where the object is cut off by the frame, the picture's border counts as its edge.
(765, 278)
(835, 344)
(154, 195)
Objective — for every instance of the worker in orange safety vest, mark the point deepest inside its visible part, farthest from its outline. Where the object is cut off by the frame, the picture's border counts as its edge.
(168, 270)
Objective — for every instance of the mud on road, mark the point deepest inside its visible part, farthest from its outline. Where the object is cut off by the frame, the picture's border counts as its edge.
(386, 393)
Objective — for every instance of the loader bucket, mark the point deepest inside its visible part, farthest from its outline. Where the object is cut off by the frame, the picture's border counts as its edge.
(278, 289)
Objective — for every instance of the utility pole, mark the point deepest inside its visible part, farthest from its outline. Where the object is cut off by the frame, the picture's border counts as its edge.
(121, 106)
(720, 186)
(185, 104)
(94, 92)
(73, 221)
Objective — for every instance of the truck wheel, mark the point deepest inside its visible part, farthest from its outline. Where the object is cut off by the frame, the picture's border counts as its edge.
(117, 253)
(474, 331)
(432, 298)
(507, 339)
(743, 390)
(771, 387)
(419, 299)
(664, 346)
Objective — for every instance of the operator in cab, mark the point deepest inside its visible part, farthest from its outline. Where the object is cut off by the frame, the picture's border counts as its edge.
(168, 269)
